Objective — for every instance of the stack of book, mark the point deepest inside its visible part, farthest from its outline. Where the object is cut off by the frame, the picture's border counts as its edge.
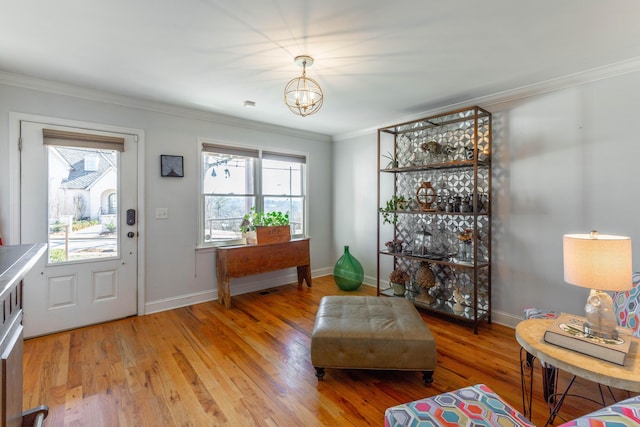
(566, 331)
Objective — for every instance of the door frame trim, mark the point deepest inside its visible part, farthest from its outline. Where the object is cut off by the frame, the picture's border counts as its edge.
(13, 238)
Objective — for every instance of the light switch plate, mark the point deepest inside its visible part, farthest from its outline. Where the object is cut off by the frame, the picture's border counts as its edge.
(162, 213)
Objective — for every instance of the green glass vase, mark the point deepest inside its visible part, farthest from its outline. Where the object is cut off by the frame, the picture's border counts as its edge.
(348, 272)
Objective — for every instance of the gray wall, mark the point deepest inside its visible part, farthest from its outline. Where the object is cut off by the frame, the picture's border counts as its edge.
(177, 274)
(563, 162)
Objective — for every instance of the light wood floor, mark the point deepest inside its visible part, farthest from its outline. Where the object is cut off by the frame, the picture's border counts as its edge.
(204, 365)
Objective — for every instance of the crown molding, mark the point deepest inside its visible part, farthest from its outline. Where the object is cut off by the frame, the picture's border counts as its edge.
(65, 89)
(631, 65)
(571, 80)
(494, 100)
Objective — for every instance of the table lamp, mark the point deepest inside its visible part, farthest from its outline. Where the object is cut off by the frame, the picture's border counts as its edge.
(601, 263)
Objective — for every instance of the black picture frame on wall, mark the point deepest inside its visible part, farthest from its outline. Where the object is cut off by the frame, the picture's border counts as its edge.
(171, 166)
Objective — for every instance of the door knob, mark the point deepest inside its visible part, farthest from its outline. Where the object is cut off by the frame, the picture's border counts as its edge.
(131, 234)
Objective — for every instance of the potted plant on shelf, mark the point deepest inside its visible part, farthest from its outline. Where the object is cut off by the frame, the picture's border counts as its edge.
(394, 246)
(393, 162)
(398, 280)
(261, 228)
(389, 212)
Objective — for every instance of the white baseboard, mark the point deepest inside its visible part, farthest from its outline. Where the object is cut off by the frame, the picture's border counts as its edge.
(499, 317)
(505, 319)
(252, 285)
(326, 271)
(180, 301)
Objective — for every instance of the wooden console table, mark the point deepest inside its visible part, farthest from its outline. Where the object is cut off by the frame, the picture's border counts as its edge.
(245, 260)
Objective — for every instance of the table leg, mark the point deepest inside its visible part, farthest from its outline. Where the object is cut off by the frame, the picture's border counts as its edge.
(526, 381)
(304, 273)
(549, 383)
(558, 403)
(224, 293)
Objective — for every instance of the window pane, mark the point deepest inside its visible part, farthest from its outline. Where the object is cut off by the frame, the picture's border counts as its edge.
(291, 205)
(282, 177)
(227, 174)
(228, 187)
(223, 215)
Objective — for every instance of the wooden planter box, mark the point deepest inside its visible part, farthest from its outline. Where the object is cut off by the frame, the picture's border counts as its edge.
(268, 235)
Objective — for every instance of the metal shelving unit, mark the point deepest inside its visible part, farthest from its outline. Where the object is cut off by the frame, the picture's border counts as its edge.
(441, 166)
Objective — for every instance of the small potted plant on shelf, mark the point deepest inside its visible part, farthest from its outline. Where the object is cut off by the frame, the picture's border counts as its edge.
(395, 245)
(393, 162)
(261, 228)
(389, 212)
(398, 280)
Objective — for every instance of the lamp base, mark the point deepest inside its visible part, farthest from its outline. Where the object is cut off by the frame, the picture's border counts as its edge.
(601, 319)
(590, 330)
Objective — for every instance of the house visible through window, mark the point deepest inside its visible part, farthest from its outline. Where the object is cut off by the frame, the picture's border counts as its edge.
(113, 203)
(236, 179)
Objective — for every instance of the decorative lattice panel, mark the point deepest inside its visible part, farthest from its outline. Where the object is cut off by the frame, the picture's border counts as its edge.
(450, 156)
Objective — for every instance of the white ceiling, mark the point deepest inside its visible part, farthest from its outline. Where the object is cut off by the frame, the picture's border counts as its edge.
(376, 60)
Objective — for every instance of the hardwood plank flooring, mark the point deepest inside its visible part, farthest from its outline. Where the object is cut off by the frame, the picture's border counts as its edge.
(204, 365)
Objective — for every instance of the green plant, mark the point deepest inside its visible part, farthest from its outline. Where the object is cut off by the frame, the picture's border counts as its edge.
(56, 227)
(57, 255)
(82, 224)
(393, 162)
(389, 212)
(255, 219)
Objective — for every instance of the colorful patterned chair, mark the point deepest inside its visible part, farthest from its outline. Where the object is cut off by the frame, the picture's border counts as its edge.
(479, 406)
(476, 406)
(627, 306)
(622, 414)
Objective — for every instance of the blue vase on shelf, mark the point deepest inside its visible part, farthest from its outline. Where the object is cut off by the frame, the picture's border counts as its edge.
(348, 273)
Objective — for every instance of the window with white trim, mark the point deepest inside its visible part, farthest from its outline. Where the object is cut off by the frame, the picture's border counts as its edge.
(235, 179)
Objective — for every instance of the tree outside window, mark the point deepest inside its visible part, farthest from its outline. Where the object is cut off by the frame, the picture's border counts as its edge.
(236, 179)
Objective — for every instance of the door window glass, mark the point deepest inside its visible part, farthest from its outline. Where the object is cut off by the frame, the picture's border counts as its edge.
(82, 203)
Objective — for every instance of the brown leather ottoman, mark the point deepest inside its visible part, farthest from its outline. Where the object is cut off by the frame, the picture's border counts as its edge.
(358, 332)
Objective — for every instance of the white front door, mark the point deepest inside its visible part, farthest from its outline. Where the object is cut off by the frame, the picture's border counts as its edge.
(80, 196)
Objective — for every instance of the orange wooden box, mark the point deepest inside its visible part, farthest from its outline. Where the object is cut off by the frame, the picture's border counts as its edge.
(277, 234)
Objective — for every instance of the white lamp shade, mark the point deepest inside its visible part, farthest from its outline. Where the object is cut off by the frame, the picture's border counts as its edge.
(602, 262)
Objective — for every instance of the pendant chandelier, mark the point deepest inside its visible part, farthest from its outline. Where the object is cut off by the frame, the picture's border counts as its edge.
(303, 95)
